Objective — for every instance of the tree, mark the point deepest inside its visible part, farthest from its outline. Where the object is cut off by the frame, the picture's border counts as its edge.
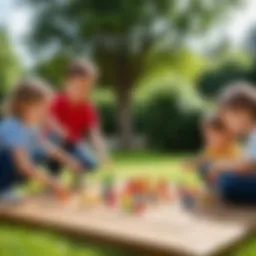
(53, 69)
(213, 81)
(120, 34)
(10, 67)
(249, 42)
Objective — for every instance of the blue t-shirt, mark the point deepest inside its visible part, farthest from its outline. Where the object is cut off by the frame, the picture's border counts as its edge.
(15, 134)
(250, 148)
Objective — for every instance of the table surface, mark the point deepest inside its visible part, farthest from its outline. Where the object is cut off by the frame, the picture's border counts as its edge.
(164, 226)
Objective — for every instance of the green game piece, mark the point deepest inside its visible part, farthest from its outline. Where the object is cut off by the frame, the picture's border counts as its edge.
(108, 180)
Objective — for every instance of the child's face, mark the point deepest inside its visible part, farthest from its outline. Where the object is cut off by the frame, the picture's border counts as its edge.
(238, 122)
(37, 113)
(80, 87)
(215, 138)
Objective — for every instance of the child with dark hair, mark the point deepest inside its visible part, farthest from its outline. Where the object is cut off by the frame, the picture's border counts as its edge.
(236, 178)
(21, 145)
(218, 142)
(75, 116)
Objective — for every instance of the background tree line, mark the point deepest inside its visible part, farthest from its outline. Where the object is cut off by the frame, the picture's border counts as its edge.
(152, 82)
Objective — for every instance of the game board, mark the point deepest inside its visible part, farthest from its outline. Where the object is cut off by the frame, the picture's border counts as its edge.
(164, 228)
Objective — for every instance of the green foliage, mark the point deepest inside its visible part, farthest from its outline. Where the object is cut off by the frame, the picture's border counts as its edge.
(17, 240)
(10, 67)
(169, 125)
(249, 42)
(166, 114)
(120, 34)
(53, 69)
(213, 81)
(107, 110)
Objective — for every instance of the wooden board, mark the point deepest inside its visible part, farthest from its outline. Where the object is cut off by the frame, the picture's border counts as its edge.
(165, 227)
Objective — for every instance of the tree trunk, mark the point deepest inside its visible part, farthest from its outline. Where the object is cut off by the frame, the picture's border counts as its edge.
(125, 77)
(124, 118)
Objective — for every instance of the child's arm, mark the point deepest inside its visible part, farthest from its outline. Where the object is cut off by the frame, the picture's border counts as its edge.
(240, 165)
(27, 168)
(99, 144)
(193, 162)
(52, 122)
(56, 127)
(61, 156)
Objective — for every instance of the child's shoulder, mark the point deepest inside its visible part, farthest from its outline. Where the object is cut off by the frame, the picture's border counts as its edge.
(12, 129)
(10, 123)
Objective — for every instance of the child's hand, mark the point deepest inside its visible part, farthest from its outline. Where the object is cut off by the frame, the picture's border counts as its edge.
(61, 191)
(213, 173)
(63, 133)
(188, 164)
(75, 165)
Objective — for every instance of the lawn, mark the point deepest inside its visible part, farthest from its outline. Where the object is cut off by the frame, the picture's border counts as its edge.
(18, 240)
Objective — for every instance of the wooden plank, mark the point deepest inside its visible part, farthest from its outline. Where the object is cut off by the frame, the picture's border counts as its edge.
(166, 227)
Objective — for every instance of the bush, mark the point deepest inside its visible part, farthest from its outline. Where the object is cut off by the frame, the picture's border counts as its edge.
(108, 113)
(213, 81)
(169, 126)
(167, 116)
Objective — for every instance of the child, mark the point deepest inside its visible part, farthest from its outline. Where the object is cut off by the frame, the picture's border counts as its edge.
(74, 116)
(219, 143)
(21, 147)
(236, 178)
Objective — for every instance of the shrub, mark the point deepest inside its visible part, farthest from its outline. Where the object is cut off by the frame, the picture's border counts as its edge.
(167, 115)
(169, 125)
(108, 114)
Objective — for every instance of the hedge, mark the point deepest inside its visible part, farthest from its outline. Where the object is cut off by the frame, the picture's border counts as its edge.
(165, 116)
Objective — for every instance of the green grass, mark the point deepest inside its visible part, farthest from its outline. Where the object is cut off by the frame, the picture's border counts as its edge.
(18, 240)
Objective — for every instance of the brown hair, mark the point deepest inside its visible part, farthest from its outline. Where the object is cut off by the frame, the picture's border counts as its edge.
(27, 92)
(81, 68)
(214, 121)
(239, 96)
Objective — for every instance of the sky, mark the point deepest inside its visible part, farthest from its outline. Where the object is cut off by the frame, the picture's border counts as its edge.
(17, 20)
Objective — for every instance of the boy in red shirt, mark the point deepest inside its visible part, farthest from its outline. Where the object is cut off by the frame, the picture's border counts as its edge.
(75, 118)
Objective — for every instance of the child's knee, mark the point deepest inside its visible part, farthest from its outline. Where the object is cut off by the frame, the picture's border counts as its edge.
(86, 157)
(91, 164)
(226, 185)
(203, 170)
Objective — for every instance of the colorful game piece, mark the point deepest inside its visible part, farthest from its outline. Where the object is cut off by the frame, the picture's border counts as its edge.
(109, 194)
(111, 197)
(164, 190)
(126, 201)
(89, 197)
(188, 197)
(63, 196)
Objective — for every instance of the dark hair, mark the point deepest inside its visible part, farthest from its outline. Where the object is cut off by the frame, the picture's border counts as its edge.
(27, 92)
(214, 121)
(81, 68)
(239, 96)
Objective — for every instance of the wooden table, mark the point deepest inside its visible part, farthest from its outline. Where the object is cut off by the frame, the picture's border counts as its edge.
(164, 228)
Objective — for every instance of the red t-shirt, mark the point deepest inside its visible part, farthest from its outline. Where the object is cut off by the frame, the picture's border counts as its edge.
(76, 118)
